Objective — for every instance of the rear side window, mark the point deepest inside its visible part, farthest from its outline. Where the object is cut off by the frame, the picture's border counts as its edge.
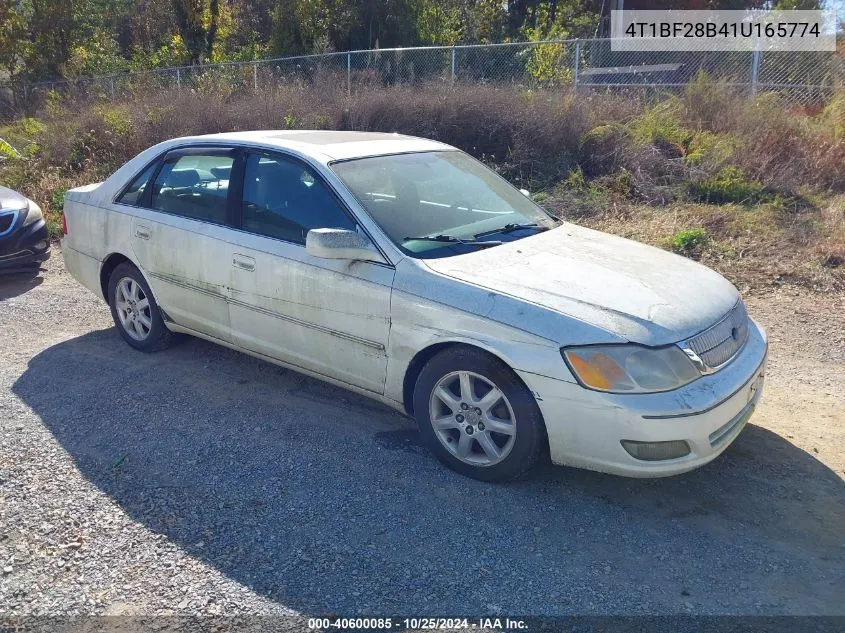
(194, 186)
(133, 194)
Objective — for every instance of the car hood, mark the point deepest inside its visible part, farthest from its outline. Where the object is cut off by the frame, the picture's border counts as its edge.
(634, 291)
(10, 199)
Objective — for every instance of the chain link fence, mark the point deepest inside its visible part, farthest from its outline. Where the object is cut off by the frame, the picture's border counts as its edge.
(801, 77)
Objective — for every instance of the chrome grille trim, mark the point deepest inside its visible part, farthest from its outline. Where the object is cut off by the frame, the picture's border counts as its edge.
(718, 344)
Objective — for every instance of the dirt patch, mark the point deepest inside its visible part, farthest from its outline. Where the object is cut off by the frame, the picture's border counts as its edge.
(803, 401)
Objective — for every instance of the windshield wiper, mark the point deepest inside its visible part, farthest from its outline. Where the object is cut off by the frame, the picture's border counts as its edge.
(510, 228)
(454, 240)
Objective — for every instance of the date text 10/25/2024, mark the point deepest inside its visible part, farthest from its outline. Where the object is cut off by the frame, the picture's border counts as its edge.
(417, 624)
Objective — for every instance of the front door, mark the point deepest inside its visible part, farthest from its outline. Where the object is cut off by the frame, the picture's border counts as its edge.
(329, 316)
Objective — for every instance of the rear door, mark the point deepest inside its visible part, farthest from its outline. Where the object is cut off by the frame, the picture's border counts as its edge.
(179, 232)
(329, 316)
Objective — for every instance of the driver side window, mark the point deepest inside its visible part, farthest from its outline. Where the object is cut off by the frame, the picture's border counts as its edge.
(284, 199)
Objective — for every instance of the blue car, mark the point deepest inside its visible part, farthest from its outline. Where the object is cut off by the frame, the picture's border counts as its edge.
(24, 241)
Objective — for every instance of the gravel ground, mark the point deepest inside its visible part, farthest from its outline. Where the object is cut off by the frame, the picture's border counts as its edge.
(201, 481)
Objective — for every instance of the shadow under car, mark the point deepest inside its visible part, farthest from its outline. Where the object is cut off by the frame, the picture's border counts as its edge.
(326, 502)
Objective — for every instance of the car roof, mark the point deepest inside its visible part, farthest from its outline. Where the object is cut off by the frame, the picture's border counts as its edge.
(329, 144)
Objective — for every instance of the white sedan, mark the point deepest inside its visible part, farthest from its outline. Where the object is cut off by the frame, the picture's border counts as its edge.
(405, 270)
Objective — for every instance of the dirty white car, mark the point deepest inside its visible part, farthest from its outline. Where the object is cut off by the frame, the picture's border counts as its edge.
(405, 270)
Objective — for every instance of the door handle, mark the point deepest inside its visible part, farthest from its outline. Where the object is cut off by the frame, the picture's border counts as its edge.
(243, 262)
(142, 232)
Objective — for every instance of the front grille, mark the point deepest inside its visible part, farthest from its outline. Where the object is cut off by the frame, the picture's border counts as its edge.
(718, 344)
(7, 219)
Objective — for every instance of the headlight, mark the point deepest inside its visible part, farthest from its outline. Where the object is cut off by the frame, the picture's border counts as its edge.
(33, 215)
(630, 368)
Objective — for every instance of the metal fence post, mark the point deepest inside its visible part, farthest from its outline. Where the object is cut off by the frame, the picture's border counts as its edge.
(349, 73)
(453, 62)
(755, 71)
(178, 79)
(255, 76)
(577, 62)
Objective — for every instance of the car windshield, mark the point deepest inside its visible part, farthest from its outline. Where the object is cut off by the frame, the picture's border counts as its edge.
(437, 204)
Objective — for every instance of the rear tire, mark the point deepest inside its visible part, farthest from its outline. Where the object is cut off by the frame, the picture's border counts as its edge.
(477, 416)
(135, 311)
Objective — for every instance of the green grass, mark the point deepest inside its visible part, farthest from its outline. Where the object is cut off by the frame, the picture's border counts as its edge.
(729, 185)
(688, 241)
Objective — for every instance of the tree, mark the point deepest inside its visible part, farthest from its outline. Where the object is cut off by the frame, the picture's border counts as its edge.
(797, 5)
(252, 28)
(485, 21)
(197, 21)
(46, 39)
(12, 38)
(288, 35)
(384, 24)
(439, 22)
(518, 11)
(50, 31)
(146, 26)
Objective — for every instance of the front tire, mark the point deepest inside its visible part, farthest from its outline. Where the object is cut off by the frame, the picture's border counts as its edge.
(477, 416)
(135, 311)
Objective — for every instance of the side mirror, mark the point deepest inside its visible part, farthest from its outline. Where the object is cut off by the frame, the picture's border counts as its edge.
(525, 193)
(340, 244)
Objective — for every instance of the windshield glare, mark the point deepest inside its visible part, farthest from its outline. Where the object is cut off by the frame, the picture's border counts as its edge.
(427, 194)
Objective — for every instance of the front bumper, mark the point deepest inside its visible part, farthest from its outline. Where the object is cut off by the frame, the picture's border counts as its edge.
(24, 249)
(586, 428)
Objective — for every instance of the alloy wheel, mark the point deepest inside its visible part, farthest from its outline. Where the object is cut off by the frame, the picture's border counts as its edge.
(472, 418)
(133, 309)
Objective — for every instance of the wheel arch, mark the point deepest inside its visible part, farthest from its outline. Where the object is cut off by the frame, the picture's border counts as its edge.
(426, 354)
(111, 262)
